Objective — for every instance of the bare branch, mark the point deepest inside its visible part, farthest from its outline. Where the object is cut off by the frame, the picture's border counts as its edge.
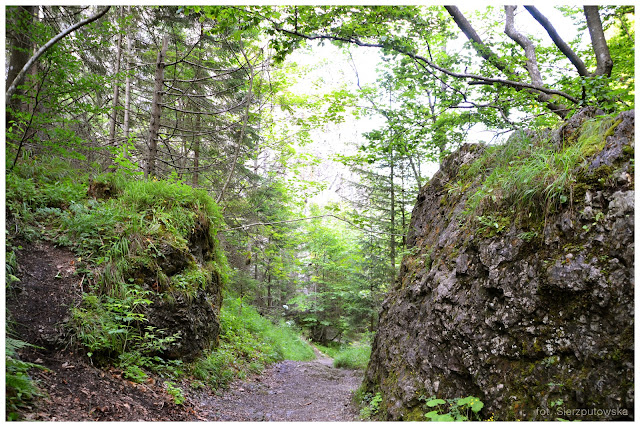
(564, 47)
(247, 100)
(18, 79)
(205, 113)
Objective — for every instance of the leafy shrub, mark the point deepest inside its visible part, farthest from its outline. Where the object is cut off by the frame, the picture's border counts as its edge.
(20, 387)
(90, 226)
(51, 182)
(11, 267)
(463, 409)
(371, 405)
(191, 278)
(176, 392)
(107, 325)
(113, 327)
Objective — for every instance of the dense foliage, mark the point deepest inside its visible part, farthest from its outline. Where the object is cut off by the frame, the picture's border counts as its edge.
(135, 129)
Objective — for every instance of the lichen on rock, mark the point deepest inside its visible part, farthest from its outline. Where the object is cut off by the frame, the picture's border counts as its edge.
(531, 312)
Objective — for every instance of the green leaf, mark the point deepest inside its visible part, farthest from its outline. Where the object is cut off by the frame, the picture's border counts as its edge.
(432, 415)
(444, 417)
(435, 402)
(477, 406)
(464, 401)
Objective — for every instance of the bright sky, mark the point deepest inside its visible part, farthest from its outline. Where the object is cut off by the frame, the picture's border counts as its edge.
(337, 70)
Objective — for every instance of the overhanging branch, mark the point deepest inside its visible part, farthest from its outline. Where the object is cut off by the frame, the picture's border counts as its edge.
(421, 59)
(18, 79)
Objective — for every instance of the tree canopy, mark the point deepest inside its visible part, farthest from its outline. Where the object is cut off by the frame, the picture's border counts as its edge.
(211, 96)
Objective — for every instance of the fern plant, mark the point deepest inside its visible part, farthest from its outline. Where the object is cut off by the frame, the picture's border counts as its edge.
(20, 387)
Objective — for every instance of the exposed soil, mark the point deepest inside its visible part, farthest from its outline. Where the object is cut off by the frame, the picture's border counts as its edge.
(288, 391)
(75, 390)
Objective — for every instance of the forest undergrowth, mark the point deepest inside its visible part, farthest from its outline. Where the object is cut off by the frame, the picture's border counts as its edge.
(48, 200)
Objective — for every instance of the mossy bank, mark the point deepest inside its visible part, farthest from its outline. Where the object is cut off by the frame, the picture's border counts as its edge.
(147, 250)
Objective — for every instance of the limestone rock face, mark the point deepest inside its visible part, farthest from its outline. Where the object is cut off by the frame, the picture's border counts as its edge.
(539, 326)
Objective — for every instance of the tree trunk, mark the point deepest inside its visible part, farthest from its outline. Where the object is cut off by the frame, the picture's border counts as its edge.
(525, 43)
(116, 93)
(156, 110)
(598, 41)
(20, 76)
(127, 87)
(403, 203)
(196, 134)
(21, 18)
(532, 62)
(481, 48)
(392, 238)
(196, 153)
(245, 120)
(372, 316)
(269, 299)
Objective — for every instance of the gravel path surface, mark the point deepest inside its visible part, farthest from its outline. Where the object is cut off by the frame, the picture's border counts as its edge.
(288, 391)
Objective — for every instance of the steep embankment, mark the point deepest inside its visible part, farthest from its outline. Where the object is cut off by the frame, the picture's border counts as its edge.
(71, 387)
(516, 294)
(76, 390)
(126, 276)
(114, 311)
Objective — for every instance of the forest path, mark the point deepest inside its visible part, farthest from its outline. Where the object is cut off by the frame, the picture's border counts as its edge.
(76, 390)
(288, 391)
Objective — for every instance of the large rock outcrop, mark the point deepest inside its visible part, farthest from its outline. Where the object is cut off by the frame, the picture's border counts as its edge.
(535, 320)
(187, 301)
(172, 265)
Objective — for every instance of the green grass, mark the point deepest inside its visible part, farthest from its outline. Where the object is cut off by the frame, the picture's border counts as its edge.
(116, 239)
(248, 342)
(129, 232)
(348, 356)
(530, 174)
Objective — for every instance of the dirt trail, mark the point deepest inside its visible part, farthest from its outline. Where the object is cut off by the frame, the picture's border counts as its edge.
(288, 391)
(75, 390)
